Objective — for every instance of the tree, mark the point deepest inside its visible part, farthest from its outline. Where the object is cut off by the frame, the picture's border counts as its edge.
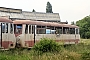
(72, 23)
(33, 10)
(66, 22)
(84, 25)
(49, 8)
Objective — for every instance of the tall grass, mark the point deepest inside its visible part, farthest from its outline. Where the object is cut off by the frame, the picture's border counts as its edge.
(79, 51)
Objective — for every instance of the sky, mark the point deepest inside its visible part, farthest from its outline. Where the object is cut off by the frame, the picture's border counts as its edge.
(69, 10)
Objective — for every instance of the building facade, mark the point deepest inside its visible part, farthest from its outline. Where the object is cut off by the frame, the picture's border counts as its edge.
(14, 14)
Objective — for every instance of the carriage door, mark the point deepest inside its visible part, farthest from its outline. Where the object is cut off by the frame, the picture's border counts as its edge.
(11, 36)
(33, 33)
(4, 34)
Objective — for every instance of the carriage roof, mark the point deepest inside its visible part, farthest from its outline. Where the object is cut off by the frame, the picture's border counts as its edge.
(5, 20)
(43, 23)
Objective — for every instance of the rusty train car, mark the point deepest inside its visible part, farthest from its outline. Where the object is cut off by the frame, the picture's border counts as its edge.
(25, 33)
(7, 37)
(29, 32)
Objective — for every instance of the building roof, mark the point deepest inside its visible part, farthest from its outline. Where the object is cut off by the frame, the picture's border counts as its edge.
(19, 14)
(41, 16)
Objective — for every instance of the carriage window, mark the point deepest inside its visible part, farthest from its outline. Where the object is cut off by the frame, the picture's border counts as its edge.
(53, 31)
(48, 31)
(41, 30)
(59, 30)
(6, 27)
(72, 30)
(66, 30)
(76, 31)
(18, 28)
(3, 27)
(29, 29)
(32, 29)
(26, 29)
(11, 28)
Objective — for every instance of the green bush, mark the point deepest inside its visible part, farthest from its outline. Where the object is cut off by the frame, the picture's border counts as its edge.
(47, 45)
(3, 58)
(86, 56)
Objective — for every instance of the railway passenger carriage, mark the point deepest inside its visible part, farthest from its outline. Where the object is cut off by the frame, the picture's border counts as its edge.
(28, 32)
(7, 37)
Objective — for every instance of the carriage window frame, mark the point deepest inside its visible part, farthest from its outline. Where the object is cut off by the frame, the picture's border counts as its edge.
(18, 28)
(3, 27)
(77, 31)
(72, 30)
(52, 30)
(58, 30)
(48, 31)
(66, 30)
(26, 29)
(11, 28)
(29, 29)
(6, 29)
(41, 30)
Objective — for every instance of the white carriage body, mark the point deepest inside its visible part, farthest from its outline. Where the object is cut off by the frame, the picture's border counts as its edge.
(32, 31)
(7, 37)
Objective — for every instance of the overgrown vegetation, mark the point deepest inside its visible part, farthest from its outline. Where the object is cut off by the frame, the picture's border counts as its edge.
(79, 51)
(47, 45)
(84, 25)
